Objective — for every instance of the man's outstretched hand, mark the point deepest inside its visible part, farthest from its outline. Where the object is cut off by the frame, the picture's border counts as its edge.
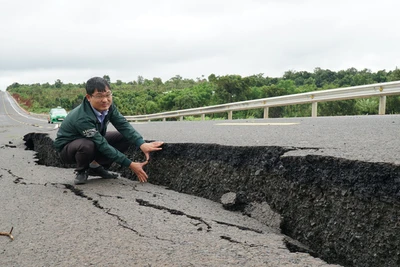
(149, 147)
(137, 168)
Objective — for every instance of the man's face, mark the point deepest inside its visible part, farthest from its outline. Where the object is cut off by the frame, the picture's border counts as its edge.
(100, 100)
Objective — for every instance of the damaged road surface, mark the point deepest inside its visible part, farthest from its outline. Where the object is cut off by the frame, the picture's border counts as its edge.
(124, 223)
(320, 192)
(343, 211)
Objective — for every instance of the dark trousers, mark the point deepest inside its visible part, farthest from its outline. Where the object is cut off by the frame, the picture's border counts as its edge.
(83, 151)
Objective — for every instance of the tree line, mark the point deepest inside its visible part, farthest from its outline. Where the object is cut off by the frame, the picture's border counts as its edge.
(147, 96)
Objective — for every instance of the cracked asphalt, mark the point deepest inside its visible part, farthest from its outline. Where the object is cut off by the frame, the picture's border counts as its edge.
(123, 223)
(117, 222)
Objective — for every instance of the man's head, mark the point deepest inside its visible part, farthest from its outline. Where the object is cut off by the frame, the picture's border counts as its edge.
(98, 93)
(96, 83)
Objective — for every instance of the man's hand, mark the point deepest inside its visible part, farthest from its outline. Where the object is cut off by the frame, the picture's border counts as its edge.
(149, 147)
(137, 168)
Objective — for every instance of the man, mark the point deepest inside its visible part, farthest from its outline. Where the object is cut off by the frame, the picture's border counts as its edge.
(83, 138)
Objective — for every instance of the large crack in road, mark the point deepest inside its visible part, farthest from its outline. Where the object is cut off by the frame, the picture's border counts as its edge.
(347, 212)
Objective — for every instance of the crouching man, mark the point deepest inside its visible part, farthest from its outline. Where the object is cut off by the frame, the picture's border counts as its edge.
(82, 138)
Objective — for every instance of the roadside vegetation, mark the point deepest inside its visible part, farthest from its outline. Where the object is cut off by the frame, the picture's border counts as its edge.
(145, 96)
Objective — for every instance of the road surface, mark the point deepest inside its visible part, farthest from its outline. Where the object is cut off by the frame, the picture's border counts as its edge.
(124, 223)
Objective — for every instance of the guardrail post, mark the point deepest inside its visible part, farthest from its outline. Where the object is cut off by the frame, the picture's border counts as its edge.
(266, 111)
(203, 117)
(164, 119)
(314, 107)
(382, 105)
(181, 118)
(230, 115)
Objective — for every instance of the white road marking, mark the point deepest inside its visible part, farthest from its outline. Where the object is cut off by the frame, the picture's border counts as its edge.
(256, 123)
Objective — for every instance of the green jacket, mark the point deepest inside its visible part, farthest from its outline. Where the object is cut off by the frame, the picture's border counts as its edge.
(82, 122)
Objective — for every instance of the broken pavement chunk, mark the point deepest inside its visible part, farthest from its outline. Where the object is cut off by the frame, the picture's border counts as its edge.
(234, 201)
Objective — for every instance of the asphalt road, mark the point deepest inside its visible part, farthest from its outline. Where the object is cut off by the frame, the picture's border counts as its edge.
(371, 138)
(124, 223)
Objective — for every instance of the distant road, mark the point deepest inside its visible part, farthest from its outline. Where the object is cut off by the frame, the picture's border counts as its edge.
(11, 115)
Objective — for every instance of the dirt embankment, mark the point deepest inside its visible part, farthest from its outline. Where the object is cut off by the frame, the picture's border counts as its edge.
(347, 212)
(26, 103)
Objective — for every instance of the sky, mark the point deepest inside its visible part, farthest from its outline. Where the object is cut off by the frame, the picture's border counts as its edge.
(73, 40)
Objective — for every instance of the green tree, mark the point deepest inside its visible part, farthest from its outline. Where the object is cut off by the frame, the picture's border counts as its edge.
(323, 77)
(380, 76)
(186, 101)
(212, 78)
(140, 80)
(176, 81)
(257, 80)
(367, 105)
(232, 88)
(151, 107)
(394, 75)
(58, 83)
(107, 78)
(393, 104)
(288, 86)
(157, 82)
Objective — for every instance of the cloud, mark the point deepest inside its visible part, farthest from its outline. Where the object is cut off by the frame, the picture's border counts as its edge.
(43, 41)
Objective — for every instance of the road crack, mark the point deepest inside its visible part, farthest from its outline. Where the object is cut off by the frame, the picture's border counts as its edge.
(102, 195)
(173, 211)
(244, 228)
(230, 239)
(121, 222)
(17, 180)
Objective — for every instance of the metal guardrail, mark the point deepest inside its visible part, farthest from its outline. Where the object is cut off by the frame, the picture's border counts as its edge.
(379, 89)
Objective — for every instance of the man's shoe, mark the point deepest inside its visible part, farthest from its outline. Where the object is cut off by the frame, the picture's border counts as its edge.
(103, 173)
(81, 177)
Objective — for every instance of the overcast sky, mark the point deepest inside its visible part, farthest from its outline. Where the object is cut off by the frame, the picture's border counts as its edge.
(72, 40)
